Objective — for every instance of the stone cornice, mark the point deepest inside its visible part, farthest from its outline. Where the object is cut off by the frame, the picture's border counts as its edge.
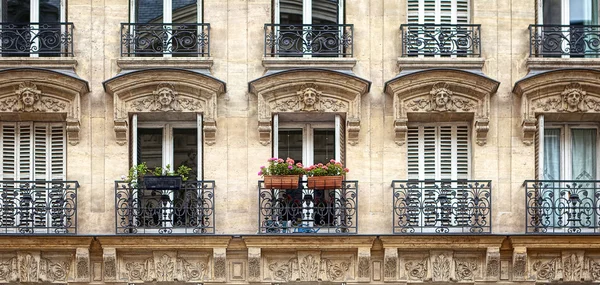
(441, 242)
(312, 242)
(160, 62)
(334, 63)
(549, 63)
(164, 242)
(44, 242)
(68, 63)
(556, 242)
(405, 63)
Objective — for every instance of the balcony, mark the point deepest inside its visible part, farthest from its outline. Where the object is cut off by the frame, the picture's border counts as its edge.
(441, 40)
(308, 211)
(442, 207)
(36, 39)
(38, 207)
(308, 40)
(562, 206)
(157, 40)
(564, 41)
(187, 210)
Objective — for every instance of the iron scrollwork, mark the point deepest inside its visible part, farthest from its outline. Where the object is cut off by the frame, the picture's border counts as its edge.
(558, 40)
(22, 39)
(316, 40)
(441, 39)
(189, 39)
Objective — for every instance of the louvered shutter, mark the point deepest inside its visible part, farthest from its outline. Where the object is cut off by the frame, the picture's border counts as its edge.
(25, 149)
(9, 159)
(539, 147)
(462, 12)
(438, 11)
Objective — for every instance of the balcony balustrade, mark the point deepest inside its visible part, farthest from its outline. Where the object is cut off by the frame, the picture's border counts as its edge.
(38, 207)
(37, 39)
(564, 41)
(308, 40)
(562, 206)
(441, 40)
(187, 210)
(308, 211)
(445, 207)
(176, 39)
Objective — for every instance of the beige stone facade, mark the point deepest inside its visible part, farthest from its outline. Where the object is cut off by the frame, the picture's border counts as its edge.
(237, 91)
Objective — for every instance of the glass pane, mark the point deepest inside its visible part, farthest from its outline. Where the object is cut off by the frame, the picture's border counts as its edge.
(583, 12)
(149, 11)
(552, 12)
(583, 157)
(49, 11)
(290, 11)
(325, 12)
(150, 147)
(185, 150)
(290, 144)
(324, 145)
(15, 11)
(185, 11)
(552, 154)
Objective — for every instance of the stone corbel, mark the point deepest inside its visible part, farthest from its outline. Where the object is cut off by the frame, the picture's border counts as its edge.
(264, 132)
(519, 266)
(364, 264)
(210, 132)
(529, 129)
(254, 268)
(482, 126)
(219, 265)
(109, 257)
(73, 128)
(492, 264)
(353, 127)
(121, 127)
(390, 265)
(82, 269)
(400, 129)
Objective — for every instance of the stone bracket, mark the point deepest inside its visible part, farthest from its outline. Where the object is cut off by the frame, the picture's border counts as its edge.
(82, 269)
(400, 129)
(482, 126)
(364, 264)
(519, 266)
(254, 264)
(219, 265)
(492, 264)
(390, 265)
(109, 258)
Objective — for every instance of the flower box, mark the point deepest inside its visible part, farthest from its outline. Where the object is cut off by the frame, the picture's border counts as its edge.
(162, 182)
(324, 182)
(281, 181)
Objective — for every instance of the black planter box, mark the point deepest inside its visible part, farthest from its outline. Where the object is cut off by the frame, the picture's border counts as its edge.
(162, 182)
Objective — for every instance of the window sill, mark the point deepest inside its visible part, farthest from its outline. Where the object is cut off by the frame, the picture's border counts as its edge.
(545, 63)
(405, 63)
(158, 62)
(68, 63)
(333, 63)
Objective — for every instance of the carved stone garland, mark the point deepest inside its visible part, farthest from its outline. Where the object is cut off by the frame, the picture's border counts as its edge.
(309, 98)
(441, 99)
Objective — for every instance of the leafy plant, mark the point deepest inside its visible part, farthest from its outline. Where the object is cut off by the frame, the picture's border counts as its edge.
(278, 166)
(142, 169)
(332, 168)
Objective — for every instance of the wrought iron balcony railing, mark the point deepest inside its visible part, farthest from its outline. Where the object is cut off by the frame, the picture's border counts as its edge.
(38, 207)
(188, 210)
(446, 207)
(176, 39)
(562, 206)
(441, 39)
(559, 40)
(43, 39)
(308, 211)
(308, 40)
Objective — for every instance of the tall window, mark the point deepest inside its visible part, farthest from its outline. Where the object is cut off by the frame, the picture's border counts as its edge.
(166, 11)
(569, 12)
(438, 12)
(309, 12)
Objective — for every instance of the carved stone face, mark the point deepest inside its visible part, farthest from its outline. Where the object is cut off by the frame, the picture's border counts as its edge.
(442, 97)
(28, 98)
(165, 96)
(573, 98)
(309, 96)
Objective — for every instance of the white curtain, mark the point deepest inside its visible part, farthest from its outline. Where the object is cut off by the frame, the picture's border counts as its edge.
(552, 154)
(583, 157)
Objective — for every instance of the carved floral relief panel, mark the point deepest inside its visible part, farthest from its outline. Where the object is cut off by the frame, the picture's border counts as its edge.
(164, 266)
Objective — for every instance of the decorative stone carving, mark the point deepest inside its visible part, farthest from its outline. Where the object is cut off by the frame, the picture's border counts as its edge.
(336, 270)
(82, 272)
(190, 271)
(441, 266)
(254, 257)
(308, 91)
(309, 268)
(28, 266)
(165, 266)
(390, 264)
(416, 269)
(283, 271)
(54, 271)
(547, 269)
(180, 91)
(364, 264)
(465, 269)
(492, 264)
(219, 264)
(572, 264)
(140, 270)
(594, 269)
(462, 94)
(519, 268)
(109, 257)
(9, 271)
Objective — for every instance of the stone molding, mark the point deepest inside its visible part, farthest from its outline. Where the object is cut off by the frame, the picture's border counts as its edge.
(42, 95)
(333, 63)
(444, 94)
(565, 95)
(132, 63)
(282, 92)
(551, 63)
(418, 63)
(66, 63)
(145, 91)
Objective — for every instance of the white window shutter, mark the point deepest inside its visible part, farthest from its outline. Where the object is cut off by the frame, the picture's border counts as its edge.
(41, 152)
(539, 148)
(462, 12)
(200, 154)
(57, 152)
(438, 11)
(275, 132)
(463, 147)
(134, 140)
(413, 150)
(9, 159)
(24, 146)
(429, 154)
(413, 11)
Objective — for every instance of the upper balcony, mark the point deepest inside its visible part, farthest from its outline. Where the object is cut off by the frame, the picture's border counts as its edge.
(564, 41)
(36, 39)
(179, 208)
(305, 208)
(165, 39)
(297, 40)
(426, 40)
(446, 207)
(38, 207)
(562, 206)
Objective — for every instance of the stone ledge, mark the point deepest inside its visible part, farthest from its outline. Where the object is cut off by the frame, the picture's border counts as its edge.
(27, 242)
(558, 63)
(162, 62)
(39, 62)
(442, 242)
(440, 62)
(334, 63)
(140, 242)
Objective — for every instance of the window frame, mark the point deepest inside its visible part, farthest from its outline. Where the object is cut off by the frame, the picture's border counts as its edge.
(167, 11)
(307, 12)
(437, 12)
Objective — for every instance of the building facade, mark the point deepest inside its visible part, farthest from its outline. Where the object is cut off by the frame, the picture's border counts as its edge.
(470, 128)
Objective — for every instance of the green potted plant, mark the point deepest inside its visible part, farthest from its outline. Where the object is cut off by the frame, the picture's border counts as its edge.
(281, 174)
(158, 178)
(326, 176)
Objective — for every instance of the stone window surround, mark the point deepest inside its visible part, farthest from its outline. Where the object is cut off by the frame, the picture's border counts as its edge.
(59, 98)
(136, 91)
(543, 94)
(279, 93)
(414, 99)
